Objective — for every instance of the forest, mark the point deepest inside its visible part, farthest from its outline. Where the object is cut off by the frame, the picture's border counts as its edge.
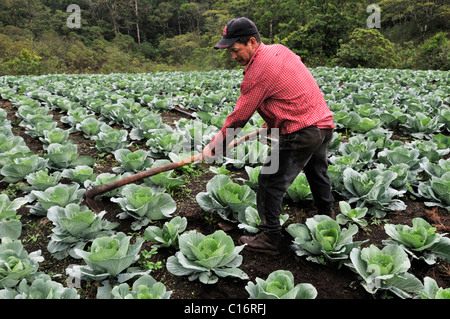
(136, 36)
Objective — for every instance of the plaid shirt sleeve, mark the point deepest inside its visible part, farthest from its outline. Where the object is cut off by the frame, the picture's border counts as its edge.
(252, 95)
(281, 89)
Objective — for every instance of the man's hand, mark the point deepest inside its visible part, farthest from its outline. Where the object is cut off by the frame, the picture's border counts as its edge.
(208, 154)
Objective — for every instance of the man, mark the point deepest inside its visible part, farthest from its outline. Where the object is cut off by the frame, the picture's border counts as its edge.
(280, 88)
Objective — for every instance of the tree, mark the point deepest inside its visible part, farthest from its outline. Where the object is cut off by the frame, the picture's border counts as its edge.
(435, 53)
(367, 48)
(317, 27)
(427, 17)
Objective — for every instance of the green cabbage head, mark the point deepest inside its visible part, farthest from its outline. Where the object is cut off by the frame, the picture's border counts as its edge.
(75, 225)
(145, 287)
(16, 264)
(145, 204)
(385, 269)
(421, 237)
(418, 237)
(431, 290)
(109, 256)
(206, 257)
(280, 285)
(42, 287)
(321, 238)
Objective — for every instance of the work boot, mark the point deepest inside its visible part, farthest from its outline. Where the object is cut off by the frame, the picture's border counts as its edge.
(330, 212)
(262, 243)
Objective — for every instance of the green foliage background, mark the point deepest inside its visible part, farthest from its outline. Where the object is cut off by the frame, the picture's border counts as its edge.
(119, 36)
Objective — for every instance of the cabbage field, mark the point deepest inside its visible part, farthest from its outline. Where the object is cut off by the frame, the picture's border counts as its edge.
(175, 235)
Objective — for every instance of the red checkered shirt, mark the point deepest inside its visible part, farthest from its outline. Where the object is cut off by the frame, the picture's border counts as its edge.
(282, 90)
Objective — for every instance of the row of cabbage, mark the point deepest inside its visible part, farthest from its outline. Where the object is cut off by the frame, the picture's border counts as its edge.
(75, 225)
(232, 190)
(110, 254)
(369, 150)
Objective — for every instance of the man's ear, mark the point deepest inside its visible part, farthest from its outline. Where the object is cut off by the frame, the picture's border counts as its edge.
(254, 44)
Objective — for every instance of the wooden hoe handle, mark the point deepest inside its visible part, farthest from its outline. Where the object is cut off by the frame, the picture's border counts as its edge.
(91, 193)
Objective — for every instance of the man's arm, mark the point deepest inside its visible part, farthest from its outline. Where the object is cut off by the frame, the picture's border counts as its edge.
(252, 95)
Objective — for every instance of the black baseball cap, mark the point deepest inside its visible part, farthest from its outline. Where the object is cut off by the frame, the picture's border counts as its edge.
(236, 28)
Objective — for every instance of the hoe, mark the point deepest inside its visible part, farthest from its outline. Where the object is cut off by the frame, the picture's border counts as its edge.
(96, 206)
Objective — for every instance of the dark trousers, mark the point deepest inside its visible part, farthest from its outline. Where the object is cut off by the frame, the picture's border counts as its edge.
(304, 150)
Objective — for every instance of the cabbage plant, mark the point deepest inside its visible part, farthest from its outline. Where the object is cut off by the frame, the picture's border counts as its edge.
(166, 140)
(322, 239)
(382, 139)
(36, 125)
(372, 188)
(105, 178)
(12, 147)
(59, 195)
(145, 126)
(132, 161)
(167, 236)
(402, 154)
(145, 287)
(249, 153)
(198, 134)
(10, 224)
(431, 290)
(422, 126)
(144, 204)
(249, 219)
(420, 237)
(404, 179)
(384, 269)
(66, 156)
(226, 198)
(75, 115)
(436, 190)
(393, 118)
(108, 256)
(56, 135)
(299, 189)
(359, 145)
(345, 119)
(280, 285)
(442, 141)
(79, 174)
(89, 126)
(16, 263)
(42, 287)
(348, 160)
(437, 169)
(167, 180)
(41, 180)
(74, 227)
(253, 174)
(206, 258)
(20, 167)
(111, 140)
(27, 109)
(430, 150)
(351, 215)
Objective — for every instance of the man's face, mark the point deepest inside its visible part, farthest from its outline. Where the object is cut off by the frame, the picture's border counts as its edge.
(243, 53)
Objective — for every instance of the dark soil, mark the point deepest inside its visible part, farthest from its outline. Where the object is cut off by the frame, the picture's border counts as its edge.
(330, 282)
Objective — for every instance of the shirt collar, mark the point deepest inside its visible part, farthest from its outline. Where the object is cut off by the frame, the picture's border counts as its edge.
(260, 48)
